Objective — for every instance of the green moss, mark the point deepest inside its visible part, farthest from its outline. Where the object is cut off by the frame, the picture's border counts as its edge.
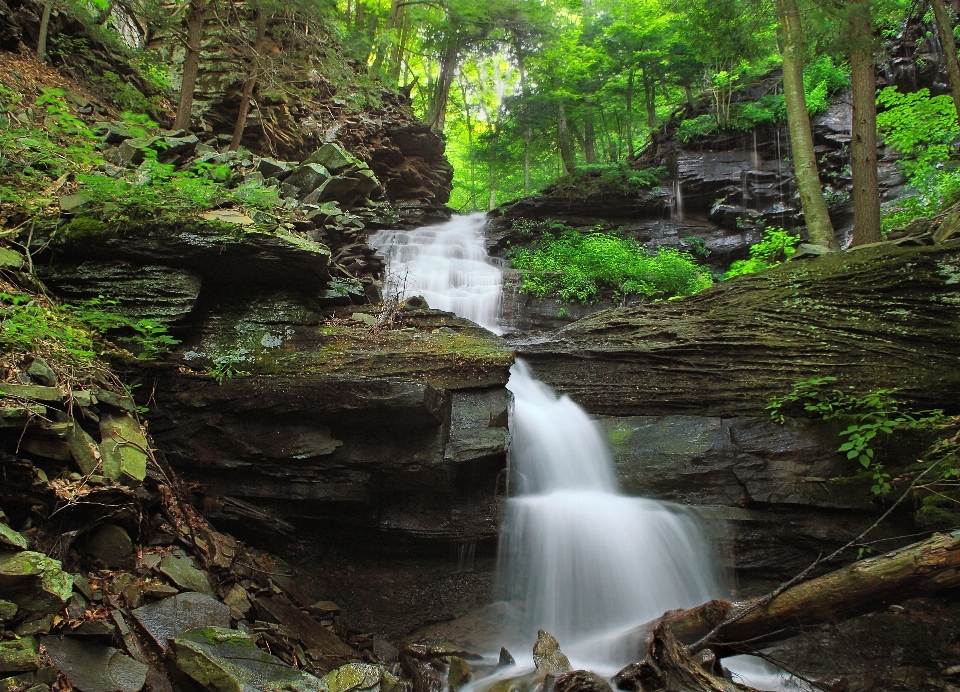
(84, 227)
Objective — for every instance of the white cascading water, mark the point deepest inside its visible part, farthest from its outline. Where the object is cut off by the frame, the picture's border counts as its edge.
(448, 265)
(578, 558)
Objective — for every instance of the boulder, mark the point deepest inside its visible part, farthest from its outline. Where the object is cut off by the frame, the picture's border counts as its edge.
(132, 152)
(307, 178)
(13, 539)
(41, 373)
(547, 656)
(93, 667)
(83, 449)
(335, 189)
(111, 547)
(19, 655)
(171, 617)
(185, 575)
(10, 259)
(34, 581)
(271, 168)
(123, 448)
(332, 157)
(459, 673)
(360, 676)
(228, 660)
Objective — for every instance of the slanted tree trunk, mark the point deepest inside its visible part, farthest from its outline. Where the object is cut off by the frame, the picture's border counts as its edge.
(44, 30)
(563, 141)
(919, 569)
(650, 99)
(815, 212)
(863, 144)
(945, 30)
(250, 82)
(191, 63)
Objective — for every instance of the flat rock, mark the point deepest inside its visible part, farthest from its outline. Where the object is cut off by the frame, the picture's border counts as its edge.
(308, 178)
(228, 216)
(34, 581)
(228, 660)
(314, 636)
(171, 617)
(93, 667)
(111, 546)
(332, 157)
(185, 575)
(32, 391)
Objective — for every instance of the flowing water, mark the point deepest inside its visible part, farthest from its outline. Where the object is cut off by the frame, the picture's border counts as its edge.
(578, 558)
(448, 265)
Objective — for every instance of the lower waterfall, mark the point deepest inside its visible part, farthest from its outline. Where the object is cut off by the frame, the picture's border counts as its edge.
(577, 557)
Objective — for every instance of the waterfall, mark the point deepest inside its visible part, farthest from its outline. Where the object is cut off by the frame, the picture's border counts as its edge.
(448, 265)
(577, 557)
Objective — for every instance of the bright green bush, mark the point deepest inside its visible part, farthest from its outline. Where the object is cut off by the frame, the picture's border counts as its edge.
(924, 128)
(615, 178)
(574, 266)
(776, 247)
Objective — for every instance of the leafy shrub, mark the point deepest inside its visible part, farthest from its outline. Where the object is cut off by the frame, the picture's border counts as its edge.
(700, 126)
(71, 333)
(616, 178)
(924, 128)
(574, 266)
(776, 247)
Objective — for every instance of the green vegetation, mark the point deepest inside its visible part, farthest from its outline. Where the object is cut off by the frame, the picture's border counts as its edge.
(615, 178)
(225, 365)
(924, 128)
(867, 416)
(776, 247)
(576, 266)
(75, 334)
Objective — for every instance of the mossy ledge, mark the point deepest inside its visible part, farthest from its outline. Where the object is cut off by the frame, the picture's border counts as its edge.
(877, 317)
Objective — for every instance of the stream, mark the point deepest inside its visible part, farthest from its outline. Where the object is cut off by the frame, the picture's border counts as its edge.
(577, 557)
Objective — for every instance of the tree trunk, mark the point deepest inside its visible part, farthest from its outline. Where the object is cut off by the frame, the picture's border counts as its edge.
(44, 30)
(589, 134)
(649, 99)
(863, 145)
(438, 108)
(191, 63)
(250, 82)
(815, 212)
(815, 318)
(629, 118)
(563, 141)
(945, 31)
(396, 59)
(919, 569)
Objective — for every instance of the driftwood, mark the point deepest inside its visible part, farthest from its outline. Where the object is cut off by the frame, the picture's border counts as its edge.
(926, 567)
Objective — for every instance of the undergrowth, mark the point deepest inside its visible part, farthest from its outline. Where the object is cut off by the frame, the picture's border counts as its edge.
(576, 266)
(776, 247)
(872, 421)
(615, 178)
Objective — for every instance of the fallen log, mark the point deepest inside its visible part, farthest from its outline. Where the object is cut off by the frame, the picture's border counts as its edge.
(922, 568)
(927, 567)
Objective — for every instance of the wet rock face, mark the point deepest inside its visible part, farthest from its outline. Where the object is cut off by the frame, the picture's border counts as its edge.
(772, 485)
(363, 433)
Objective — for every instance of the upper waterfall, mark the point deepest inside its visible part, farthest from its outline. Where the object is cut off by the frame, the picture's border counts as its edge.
(448, 265)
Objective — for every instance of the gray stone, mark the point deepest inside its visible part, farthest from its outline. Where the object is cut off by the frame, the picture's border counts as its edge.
(333, 157)
(333, 189)
(83, 449)
(271, 168)
(185, 575)
(228, 660)
(360, 676)
(111, 546)
(41, 373)
(123, 448)
(238, 600)
(132, 151)
(366, 181)
(178, 147)
(547, 656)
(93, 667)
(32, 391)
(74, 203)
(34, 582)
(143, 291)
(308, 178)
(173, 616)
(19, 655)
(10, 259)
(13, 539)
